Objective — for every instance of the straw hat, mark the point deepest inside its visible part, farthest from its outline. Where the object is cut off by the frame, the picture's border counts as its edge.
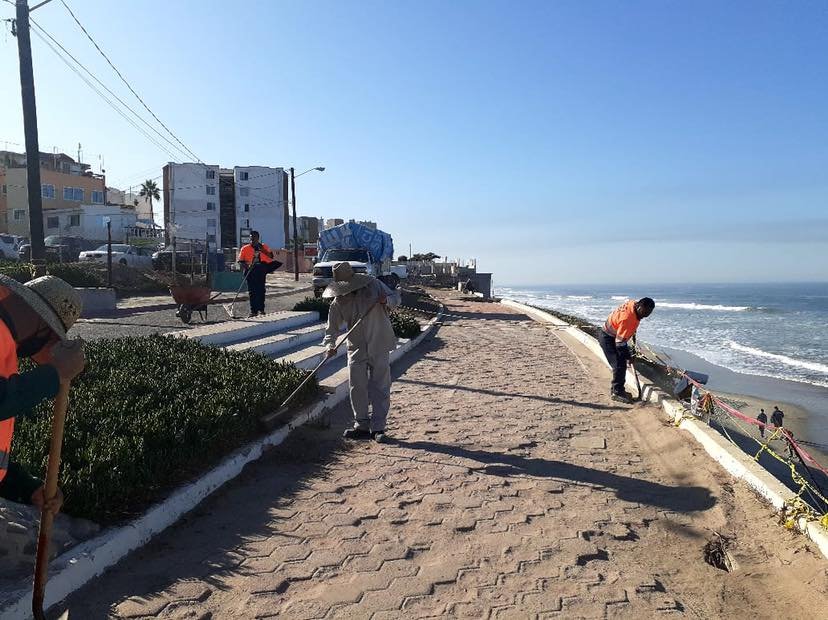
(52, 299)
(345, 281)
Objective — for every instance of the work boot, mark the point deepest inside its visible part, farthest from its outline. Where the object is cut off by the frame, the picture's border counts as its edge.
(356, 433)
(379, 436)
(622, 397)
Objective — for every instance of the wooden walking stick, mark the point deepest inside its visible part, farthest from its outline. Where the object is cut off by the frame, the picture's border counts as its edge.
(50, 491)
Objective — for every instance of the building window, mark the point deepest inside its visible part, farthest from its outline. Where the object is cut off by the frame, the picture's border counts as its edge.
(47, 190)
(211, 190)
(247, 207)
(4, 188)
(74, 220)
(211, 238)
(19, 214)
(52, 222)
(211, 206)
(244, 191)
(97, 197)
(211, 222)
(211, 174)
(73, 193)
(247, 223)
(244, 176)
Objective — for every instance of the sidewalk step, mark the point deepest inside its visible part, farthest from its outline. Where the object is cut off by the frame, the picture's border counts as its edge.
(283, 342)
(335, 382)
(239, 330)
(310, 357)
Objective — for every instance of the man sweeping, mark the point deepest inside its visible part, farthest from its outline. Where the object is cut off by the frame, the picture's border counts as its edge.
(256, 259)
(614, 339)
(363, 298)
(34, 319)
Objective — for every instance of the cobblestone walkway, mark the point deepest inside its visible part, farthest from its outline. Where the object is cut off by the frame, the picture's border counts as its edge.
(513, 488)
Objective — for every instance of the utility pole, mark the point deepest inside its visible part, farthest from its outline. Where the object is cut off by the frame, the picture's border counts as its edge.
(295, 227)
(27, 90)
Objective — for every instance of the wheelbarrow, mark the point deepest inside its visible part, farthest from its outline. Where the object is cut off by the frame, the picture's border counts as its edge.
(191, 298)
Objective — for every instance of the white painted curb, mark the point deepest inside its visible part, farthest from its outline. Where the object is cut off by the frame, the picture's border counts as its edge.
(86, 561)
(736, 462)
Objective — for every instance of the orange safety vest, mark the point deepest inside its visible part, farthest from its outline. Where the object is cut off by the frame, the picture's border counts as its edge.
(8, 368)
(623, 322)
(251, 256)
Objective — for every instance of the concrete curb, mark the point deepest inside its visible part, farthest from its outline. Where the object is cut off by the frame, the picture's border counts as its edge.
(733, 460)
(73, 569)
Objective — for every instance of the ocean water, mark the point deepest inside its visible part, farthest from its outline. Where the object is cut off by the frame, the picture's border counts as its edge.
(772, 330)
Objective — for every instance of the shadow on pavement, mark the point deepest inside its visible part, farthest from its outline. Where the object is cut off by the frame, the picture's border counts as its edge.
(636, 490)
(546, 399)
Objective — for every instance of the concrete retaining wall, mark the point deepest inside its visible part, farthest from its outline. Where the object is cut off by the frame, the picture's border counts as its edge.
(97, 300)
(730, 457)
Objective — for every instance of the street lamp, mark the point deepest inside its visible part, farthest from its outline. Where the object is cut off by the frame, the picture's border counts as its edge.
(295, 227)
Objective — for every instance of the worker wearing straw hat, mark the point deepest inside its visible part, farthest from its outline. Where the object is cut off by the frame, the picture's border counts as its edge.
(360, 296)
(34, 319)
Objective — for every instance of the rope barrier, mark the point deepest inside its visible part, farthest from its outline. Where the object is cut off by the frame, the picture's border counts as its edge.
(795, 507)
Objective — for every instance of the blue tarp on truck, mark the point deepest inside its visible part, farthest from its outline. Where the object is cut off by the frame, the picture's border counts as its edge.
(350, 236)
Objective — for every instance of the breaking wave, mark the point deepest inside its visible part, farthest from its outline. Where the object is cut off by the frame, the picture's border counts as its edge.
(695, 306)
(784, 359)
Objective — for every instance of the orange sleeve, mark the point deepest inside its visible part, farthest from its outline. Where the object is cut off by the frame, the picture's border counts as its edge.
(246, 254)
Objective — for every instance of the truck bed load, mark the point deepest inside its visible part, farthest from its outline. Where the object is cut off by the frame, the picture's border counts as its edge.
(352, 236)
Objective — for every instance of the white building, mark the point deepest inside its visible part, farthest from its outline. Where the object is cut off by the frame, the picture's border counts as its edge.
(131, 198)
(191, 202)
(261, 204)
(89, 222)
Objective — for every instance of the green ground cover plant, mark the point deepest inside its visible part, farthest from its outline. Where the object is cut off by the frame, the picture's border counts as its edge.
(150, 413)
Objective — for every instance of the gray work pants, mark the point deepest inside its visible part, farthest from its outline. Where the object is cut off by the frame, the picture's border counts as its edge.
(370, 382)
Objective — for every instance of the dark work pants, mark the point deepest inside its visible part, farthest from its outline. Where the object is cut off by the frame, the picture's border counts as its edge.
(256, 287)
(617, 358)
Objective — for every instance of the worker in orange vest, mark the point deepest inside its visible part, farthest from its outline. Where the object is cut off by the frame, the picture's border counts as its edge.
(256, 258)
(34, 319)
(614, 339)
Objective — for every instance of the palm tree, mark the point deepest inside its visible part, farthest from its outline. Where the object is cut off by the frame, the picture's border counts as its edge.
(149, 190)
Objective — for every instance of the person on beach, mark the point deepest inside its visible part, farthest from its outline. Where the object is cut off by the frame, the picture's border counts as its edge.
(360, 296)
(614, 339)
(762, 418)
(777, 416)
(256, 259)
(34, 318)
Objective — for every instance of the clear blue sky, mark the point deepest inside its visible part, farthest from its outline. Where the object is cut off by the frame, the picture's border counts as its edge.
(558, 142)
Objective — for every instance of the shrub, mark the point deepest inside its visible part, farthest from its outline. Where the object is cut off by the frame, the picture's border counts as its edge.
(147, 414)
(22, 272)
(405, 325)
(319, 304)
(77, 274)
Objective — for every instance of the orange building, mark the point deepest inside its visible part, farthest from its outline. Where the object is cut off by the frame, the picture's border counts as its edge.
(64, 184)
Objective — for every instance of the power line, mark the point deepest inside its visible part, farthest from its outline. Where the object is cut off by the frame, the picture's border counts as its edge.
(101, 95)
(128, 85)
(106, 88)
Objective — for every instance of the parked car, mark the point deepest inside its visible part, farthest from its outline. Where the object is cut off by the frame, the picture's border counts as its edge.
(59, 248)
(123, 254)
(9, 245)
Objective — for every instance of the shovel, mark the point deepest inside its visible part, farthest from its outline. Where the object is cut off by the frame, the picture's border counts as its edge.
(637, 382)
(47, 516)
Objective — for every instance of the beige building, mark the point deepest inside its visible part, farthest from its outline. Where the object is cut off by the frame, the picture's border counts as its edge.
(65, 184)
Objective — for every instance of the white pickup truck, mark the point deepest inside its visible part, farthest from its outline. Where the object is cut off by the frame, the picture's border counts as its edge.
(360, 260)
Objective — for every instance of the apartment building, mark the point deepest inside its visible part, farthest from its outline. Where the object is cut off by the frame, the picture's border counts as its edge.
(191, 202)
(261, 195)
(65, 184)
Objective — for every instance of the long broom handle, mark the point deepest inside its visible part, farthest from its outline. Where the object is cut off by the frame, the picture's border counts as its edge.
(324, 359)
(47, 516)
